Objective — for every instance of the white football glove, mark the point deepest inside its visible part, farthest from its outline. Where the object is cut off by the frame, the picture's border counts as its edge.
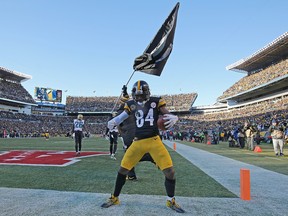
(111, 124)
(170, 120)
(106, 137)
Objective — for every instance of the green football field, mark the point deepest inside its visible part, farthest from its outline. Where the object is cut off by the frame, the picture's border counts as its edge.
(97, 173)
(266, 159)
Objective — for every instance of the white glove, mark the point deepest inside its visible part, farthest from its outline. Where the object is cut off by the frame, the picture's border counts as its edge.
(170, 120)
(106, 137)
(111, 124)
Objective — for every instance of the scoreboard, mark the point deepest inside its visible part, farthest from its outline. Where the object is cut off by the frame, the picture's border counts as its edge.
(48, 94)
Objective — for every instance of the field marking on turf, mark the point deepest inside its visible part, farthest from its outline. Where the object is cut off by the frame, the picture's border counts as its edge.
(54, 147)
(44, 158)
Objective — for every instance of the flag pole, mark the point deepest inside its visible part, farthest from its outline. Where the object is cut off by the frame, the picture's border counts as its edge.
(121, 92)
(130, 77)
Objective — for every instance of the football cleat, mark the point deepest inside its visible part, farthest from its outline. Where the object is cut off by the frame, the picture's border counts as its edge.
(132, 178)
(113, 156)
(173, 205)
(111, 201)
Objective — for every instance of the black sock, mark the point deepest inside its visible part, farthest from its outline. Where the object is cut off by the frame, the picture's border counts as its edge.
(120, 181)
(115, 148)
(170, 187)
(111, 148)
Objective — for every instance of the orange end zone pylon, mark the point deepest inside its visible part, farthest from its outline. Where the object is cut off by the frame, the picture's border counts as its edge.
(245, 184)
(257, 149)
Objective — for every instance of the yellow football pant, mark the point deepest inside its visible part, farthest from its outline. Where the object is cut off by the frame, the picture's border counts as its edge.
(152, 145)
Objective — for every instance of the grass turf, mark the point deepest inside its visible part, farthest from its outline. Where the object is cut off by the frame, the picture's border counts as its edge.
(265, 159)
(97, 174)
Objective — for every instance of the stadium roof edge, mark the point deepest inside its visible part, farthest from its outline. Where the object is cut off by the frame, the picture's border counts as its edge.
(18, 102)
(237, 65)
(16, 75)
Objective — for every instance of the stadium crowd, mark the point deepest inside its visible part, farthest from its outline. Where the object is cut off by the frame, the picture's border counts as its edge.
(246, 111)
(23, 125)
(14, 91)
(180, 102)
(17, 124)
(256, 79)
(260, 115)
(90, 104)
(177, 102)
(192, 126)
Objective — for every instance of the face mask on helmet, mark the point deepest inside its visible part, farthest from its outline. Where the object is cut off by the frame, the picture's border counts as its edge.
(140, 91)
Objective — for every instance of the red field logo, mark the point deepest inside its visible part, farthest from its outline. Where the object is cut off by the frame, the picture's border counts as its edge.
(44, 158)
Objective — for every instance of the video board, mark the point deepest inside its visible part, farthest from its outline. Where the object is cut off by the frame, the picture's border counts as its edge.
(48, 94)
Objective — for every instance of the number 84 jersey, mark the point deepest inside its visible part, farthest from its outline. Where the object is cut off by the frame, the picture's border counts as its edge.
(146, 116)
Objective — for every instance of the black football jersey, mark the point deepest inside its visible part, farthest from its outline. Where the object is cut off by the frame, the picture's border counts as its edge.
(127, 127)
(146, 116)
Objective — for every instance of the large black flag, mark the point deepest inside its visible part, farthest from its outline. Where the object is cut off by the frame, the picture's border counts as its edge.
(155, 56)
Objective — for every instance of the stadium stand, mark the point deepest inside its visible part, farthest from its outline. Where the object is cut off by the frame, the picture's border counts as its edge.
(90, 104)
(23, 125)
(266, 70)
(274, 76)
(13, 96)
(180, 102)
(48, 108)
(258, 97)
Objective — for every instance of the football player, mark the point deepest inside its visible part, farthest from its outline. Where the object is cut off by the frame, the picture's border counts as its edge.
(146, 110)
(78, 126)
(113, 138)
(127, 131)
(47, 135)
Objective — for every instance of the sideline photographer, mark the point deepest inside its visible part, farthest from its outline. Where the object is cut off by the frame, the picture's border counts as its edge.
(250, 132)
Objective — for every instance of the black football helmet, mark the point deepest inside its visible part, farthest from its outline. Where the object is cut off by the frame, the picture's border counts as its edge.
(140, 91)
